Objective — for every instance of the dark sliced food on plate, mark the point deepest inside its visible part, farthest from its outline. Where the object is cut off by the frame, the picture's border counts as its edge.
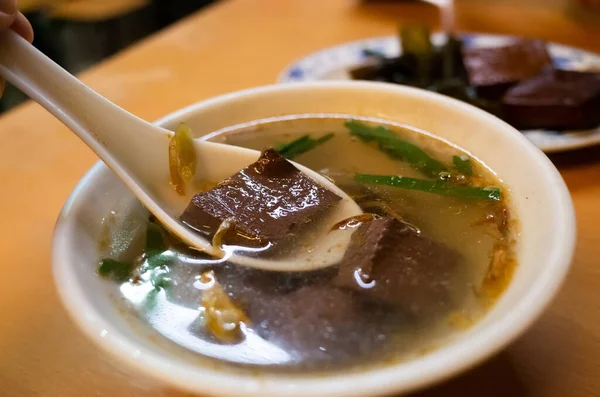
(491, 71)
(516, 82)
(266, 201)
(559, 99)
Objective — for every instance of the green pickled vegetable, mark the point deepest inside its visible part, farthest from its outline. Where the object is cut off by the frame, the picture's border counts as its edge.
(463, 164)
(301, 145)
(395, 147)
(115, 270)
(437, 186)
(454, 88)
(452, 63)
(416, 42)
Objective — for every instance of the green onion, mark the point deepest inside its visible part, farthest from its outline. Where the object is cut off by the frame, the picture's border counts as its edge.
(160, 259)
(154, 240)
(157, 255)
(160, 277)
(437, 186)
(150, 301)
(463, 164)
(395, 147)
(114, 269)
(301, 145)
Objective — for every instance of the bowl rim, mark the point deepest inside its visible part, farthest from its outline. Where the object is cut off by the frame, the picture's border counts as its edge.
(445, 362)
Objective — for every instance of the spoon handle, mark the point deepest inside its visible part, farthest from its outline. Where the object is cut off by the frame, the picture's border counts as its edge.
(106, 128)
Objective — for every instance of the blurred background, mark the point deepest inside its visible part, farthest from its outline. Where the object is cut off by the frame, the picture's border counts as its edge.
(80, 33)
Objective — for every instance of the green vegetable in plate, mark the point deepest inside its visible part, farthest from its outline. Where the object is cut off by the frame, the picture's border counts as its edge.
(114, 269)
(391, 144)
(451, 54)
(437, 186)
(301, 145)
(415, 41)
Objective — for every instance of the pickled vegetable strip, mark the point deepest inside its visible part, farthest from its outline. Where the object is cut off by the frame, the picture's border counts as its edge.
(176, 179)
(415, 42)
(217, 240)
(222, 317)
(182, 158)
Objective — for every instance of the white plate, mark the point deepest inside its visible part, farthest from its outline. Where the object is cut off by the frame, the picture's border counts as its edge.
(333, 64)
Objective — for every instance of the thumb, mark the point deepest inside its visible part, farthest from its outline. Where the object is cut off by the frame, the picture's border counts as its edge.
(8, 12)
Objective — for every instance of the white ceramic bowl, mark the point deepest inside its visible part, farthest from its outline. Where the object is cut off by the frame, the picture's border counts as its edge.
(541, 201)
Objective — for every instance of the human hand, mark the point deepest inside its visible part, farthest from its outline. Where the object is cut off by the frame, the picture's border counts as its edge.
(10, 17)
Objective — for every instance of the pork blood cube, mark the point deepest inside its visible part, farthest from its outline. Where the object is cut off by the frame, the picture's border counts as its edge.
(391, 262)
(265, 201)
(322, 323)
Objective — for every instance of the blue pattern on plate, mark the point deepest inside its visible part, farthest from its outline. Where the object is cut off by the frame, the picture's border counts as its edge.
(563, 62)
(468, 39)
(367, 53)
(297, 73)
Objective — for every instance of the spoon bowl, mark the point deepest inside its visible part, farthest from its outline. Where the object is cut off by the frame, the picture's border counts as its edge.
(137, 151)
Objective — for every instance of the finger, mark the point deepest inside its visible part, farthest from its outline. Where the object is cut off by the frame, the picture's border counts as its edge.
(22, 26)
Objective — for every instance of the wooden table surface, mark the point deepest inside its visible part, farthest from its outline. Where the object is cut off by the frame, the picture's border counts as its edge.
(233, 45)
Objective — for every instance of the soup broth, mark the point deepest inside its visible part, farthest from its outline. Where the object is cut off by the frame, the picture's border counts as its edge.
(453, 233)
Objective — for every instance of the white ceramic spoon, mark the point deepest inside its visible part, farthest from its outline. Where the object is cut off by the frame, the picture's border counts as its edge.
(137, 152)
